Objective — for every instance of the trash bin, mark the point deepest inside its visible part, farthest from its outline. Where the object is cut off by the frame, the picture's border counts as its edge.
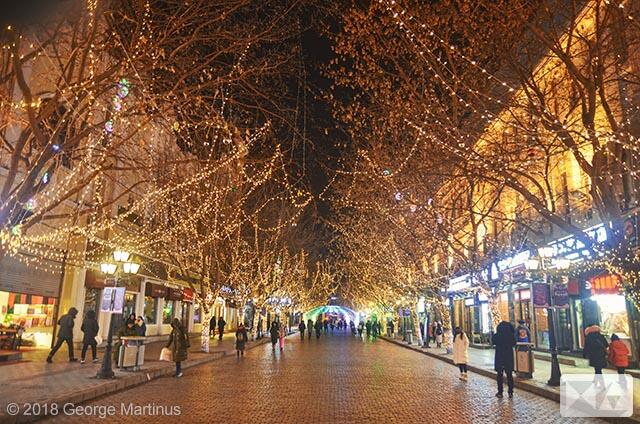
(524, 360)
(131, 354)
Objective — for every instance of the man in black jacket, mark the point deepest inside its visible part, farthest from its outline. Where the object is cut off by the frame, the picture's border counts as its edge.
(65, 334)
(221, 324)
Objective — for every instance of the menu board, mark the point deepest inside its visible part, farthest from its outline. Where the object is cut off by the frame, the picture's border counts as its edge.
(540, 295)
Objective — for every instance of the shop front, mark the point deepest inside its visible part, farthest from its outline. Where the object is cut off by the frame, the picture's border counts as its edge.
(609, 309)
(29, 299)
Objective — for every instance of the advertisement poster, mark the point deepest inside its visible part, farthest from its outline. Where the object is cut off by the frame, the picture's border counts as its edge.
(540, 295)
(112, 300)
(560, 295)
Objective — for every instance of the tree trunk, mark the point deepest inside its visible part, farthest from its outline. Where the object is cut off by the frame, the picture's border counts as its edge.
(206, 321)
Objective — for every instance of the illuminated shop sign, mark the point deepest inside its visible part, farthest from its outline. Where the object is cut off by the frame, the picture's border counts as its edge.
(572, 248)
(514, 261)
(459, 283)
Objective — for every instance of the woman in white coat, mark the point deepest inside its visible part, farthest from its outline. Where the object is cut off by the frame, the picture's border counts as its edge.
(461, 351)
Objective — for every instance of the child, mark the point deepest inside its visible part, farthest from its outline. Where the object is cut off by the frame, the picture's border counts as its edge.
(618, 354)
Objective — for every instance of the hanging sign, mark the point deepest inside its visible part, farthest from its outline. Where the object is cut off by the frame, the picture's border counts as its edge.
(560, 295)
(540, 295)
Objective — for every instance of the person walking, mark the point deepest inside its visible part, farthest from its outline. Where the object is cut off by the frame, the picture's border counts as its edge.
(90, 330)
(179, 344)
(504, 340)
(221, 324)
(65, 335)
(309, 327)
(241, 339)
(618, 354)
(439, 333)
(595, 348)
(390, 328)
(275, 333)
(302, 327)
(212, 326)
(360, 328)
(282, 334)
(318, 328)
(326, 325)
(368, 328)
(461, 351)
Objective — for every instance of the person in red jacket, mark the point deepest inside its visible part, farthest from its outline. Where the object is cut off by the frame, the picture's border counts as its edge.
(618, 354)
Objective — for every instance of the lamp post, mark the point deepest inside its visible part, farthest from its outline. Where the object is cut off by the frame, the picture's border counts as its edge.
(121, 266)
(545, 253)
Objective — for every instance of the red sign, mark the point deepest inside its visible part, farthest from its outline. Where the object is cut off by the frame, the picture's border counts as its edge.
(573, 287)
(605, 284)
(187, 295)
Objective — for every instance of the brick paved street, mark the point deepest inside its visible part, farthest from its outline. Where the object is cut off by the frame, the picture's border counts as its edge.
(338, 379)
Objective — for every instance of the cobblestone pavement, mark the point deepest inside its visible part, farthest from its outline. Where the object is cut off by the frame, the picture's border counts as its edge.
(337, 379)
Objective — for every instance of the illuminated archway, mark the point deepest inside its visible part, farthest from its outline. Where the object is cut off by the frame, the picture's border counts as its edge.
(348, 313)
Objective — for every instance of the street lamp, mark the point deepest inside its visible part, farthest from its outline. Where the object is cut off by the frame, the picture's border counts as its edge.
(545, 253)
(109, 268)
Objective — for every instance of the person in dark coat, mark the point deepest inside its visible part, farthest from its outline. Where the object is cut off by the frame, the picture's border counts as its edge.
(368, 328)
(302, 327)
(595, 348)
(212, 326)
(90, 330)
(309, 328)
(504, 340)
(141, 327)
(179, 343)
(127, 330)
(65, 335)
(318, 328)
(221, 324)
(241, 339)
(274, 332)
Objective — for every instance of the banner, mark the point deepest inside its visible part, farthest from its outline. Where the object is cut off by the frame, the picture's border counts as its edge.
(540, 295)
(560, 295)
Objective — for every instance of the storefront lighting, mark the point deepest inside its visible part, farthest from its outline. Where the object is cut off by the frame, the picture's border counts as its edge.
(545, 251)
(532, 264)
(108, 268)
(121, 255)
(130, 267)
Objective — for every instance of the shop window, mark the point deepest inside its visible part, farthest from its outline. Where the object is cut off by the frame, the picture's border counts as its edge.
(503, 306)
(197, 315)
(129, 305)
(91, 300)
(542, 327)
(150, 309)
(167, 311)
(613, 313)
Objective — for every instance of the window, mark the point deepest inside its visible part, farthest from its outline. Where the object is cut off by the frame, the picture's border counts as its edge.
(197, 314)
(92, 300)
(167, 311)
(150, 309)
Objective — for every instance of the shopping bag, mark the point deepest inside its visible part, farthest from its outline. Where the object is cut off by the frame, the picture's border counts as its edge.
(165, 354)
(98, 339)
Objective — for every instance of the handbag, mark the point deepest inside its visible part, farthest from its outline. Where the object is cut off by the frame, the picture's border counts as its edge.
(98, 339)
(165, 354)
